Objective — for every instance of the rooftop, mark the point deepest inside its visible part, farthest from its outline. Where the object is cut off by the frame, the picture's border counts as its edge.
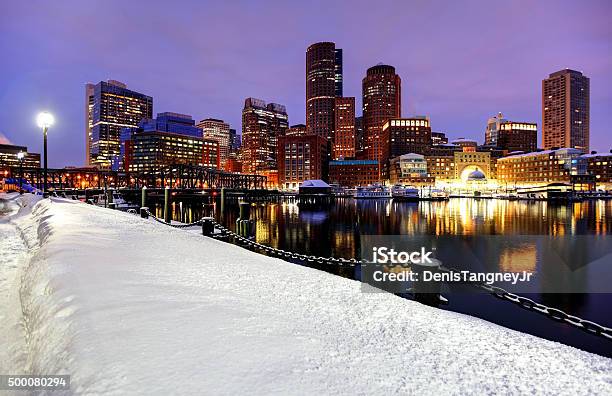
(315, 183)
(543, 152)
(596, 155)
(352, 162)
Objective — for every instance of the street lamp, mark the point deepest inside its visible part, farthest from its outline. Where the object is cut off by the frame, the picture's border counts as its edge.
(20, 156)
(44, 121)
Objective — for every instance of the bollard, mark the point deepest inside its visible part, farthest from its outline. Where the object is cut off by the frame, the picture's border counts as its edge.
(208, 226)
(167, 204)
(143, 198)
(427, 292)
(244, 225)
(109, 198)
(245, 210)
(144, 212)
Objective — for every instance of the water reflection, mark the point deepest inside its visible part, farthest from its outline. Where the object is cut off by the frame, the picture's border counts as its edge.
(518, 258)
(333, 232)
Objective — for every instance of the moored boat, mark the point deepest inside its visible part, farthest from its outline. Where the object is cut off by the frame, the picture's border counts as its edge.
(374, 191)
(405, 193)
(434, 194)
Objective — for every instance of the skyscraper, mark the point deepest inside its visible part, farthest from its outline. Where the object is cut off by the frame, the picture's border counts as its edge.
(382, 92)
(219, 131)
(89, 104)
(110, 108)
(493, 127)
(235, 141)
(344, 135)
(565, 110)
(262, 125)
(321, 88)
(359, 139)
(338, 72)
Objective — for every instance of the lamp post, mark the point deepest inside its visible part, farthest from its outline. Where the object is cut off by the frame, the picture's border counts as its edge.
(44, 121)
(20, 156)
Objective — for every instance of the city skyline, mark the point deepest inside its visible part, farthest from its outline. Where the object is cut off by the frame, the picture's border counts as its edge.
(458, 86)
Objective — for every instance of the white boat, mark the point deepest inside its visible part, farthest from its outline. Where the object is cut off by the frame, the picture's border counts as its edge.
(375, 191)
(339, 191)
(405, 193)
(434, 194)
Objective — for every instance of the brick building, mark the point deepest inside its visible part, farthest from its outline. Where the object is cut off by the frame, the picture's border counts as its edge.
(301, 158)
(352, 173)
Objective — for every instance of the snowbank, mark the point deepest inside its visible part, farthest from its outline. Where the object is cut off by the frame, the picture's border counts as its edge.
(129, 306)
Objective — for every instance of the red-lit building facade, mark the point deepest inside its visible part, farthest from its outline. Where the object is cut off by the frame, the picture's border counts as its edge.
(320, 89)
(301, 158)
(381, 89)
(344, 133)
(565, 110)
(353, 173)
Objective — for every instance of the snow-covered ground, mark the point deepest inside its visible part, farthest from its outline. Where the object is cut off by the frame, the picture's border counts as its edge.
(130, 306)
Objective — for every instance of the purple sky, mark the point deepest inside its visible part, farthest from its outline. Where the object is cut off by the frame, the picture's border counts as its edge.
(460, 62)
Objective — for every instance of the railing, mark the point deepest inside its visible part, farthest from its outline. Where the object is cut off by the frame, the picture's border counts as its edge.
(209, 225)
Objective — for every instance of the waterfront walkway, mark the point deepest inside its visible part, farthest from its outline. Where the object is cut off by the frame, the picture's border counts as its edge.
(126, 305)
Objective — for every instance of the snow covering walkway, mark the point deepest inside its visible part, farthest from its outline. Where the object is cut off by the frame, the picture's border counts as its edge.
(129, 306)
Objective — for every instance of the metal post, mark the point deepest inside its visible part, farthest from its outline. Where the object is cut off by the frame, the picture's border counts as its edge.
(20, 175)
(45, 152)
(109, 198)
(245, 210)
(143, 200)
(167, 204)
(222, 200)
(244, 225)
(208, 227)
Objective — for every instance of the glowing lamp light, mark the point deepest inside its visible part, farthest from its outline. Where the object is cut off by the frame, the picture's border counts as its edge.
(45, 119)
(20, 155)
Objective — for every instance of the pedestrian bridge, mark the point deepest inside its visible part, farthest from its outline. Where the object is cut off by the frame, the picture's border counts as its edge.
(178, 176)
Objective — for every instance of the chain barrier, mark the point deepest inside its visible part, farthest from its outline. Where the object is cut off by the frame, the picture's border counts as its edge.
(498, 292)
(531, 305)
(195, 223)
(274, 252)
